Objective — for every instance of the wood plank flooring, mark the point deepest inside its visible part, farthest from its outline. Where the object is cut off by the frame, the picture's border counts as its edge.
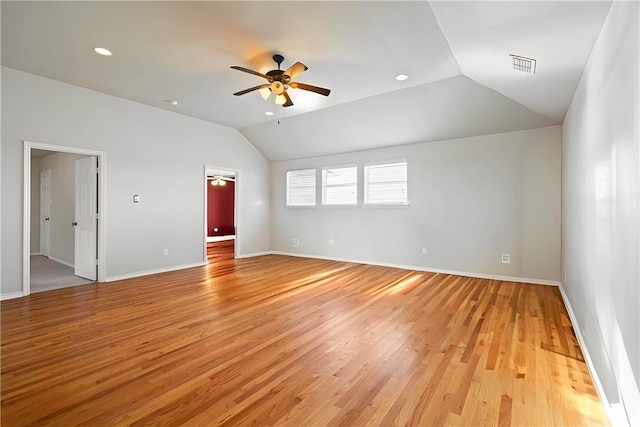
(276, 340)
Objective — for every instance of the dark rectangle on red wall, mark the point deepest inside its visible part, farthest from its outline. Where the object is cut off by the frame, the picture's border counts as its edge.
(220, 209)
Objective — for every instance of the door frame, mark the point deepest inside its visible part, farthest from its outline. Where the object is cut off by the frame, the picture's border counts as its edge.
(26, 210)
(236, 208)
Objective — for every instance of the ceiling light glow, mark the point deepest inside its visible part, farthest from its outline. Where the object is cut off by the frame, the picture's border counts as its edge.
(171, 101)
(401, 77)
(268, 113)
(103, 51)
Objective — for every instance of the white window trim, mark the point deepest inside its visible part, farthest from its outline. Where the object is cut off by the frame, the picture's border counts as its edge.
(365, 183)
(322, 187)
(286, 184)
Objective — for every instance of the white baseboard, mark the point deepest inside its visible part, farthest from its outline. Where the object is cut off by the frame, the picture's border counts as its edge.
(254, 254)
(35, 253)
(11, 295)
(68, 264)
(154, 271)
(431, 270)
(615, 411)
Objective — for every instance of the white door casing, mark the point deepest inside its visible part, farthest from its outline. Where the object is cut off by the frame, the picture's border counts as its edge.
(85, 223)
(45, 212)
(26, 211)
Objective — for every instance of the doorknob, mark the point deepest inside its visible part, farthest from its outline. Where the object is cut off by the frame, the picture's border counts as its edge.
(46, 219)
(74, 223)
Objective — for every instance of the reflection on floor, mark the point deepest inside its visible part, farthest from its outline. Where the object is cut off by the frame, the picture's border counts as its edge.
(47, 274)
(220, 251)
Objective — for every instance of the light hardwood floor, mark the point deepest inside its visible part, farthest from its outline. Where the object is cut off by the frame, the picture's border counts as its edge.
(276, 340)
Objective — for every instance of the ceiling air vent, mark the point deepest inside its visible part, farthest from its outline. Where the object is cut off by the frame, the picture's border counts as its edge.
(524, 64)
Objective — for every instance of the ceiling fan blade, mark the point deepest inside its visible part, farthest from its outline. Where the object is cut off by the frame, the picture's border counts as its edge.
(289, 103)
(255, 73)
(251, 89)
(311, 88)
(295, 69)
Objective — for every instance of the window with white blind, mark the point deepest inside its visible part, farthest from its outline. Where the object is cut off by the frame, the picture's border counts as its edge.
(301, 187)
(386, 184)
(340, 185)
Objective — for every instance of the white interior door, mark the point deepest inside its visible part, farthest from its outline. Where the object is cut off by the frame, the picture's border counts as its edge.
(85, 224)
(45, 212)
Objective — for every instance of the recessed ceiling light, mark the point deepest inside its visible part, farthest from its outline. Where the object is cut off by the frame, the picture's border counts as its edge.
(171, 101)
(103, 51)
(401, 77)
(268, 113)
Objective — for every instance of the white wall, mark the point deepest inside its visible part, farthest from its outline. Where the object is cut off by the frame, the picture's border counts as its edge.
(62, 239)
(471, 200)
(601, 188)
(152, 152)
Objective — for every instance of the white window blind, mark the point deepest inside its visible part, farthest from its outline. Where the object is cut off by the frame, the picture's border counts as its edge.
(301, 187)
(386, 184)
(340, 186)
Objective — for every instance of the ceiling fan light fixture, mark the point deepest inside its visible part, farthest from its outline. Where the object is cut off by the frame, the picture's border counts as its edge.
(279, 82)
(218, 180)
(265, 92)
(277, 88)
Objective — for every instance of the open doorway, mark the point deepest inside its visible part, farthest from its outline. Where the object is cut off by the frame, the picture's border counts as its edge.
(221, 231)
(63, 234)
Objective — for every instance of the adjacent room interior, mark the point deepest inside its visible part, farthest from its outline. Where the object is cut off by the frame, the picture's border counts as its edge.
(320, 213)
(53, 229)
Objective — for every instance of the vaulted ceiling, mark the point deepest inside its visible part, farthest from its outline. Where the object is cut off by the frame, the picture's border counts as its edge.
(456, 54)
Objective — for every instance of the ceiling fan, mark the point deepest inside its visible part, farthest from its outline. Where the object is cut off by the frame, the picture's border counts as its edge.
(220, 180)
(279, 81)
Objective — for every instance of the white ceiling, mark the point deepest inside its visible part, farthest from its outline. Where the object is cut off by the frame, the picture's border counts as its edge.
(455, 53)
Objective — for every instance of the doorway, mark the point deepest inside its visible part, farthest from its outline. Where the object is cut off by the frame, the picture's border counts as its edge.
(221, 213)
(38, 224)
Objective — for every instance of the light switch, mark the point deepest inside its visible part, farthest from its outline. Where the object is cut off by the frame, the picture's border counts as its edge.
(136, 198)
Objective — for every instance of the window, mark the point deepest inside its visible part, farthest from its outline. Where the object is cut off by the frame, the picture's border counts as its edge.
(301, 187)
(340, 186)
(386, 184)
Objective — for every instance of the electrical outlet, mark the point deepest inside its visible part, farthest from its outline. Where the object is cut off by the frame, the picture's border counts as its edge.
(424, 251)
(295, 242)
(165, 252)
(506, 258)
(330, 242)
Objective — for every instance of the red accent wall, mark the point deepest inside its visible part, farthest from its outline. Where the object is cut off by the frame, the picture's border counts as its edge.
(221, 202)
